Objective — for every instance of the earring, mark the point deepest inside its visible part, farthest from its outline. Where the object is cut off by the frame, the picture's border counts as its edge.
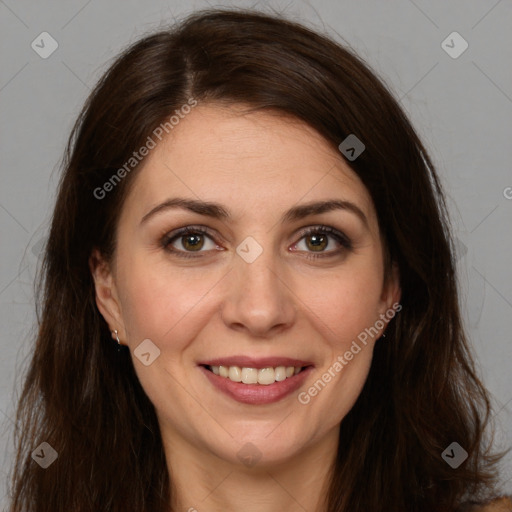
(117, 339)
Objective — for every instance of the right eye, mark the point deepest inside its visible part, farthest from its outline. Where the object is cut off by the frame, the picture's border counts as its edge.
(188, 240)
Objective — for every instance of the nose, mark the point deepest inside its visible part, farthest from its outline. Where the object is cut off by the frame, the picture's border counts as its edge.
(259, 302)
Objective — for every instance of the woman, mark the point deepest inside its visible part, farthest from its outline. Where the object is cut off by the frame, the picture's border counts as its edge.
(248, 213)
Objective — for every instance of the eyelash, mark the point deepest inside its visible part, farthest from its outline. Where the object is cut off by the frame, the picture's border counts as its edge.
(341, 238)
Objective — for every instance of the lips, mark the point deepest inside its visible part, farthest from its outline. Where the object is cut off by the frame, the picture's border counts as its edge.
(258, 363)
(241, 383)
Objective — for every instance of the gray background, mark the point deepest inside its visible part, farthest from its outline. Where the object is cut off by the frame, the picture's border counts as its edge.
(461, 106)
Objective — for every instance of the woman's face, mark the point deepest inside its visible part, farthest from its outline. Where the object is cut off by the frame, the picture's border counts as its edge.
(262, 286)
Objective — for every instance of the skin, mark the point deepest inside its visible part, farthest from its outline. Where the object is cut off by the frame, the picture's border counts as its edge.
(283, 304)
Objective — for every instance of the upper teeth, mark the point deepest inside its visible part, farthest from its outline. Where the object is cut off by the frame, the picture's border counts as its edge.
(263, 376)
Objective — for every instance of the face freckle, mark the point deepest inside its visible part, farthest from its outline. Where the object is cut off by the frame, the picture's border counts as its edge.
(254, 289)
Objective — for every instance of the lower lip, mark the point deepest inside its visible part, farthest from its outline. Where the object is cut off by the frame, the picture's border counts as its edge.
(257, 394)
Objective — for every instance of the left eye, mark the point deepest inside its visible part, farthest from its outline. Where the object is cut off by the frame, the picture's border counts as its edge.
(322, 240)
(316, 242)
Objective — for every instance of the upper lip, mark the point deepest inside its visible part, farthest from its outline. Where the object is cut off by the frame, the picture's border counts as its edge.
(253, 362)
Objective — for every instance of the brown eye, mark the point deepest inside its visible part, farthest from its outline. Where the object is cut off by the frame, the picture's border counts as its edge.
(325, 241)
(186, 241)
(192, 242)
(316, 242)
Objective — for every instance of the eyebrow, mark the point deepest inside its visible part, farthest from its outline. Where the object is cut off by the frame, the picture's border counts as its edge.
(217, 211)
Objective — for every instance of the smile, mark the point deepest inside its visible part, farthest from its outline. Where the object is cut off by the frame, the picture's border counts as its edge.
(262, 376)
(256, 386)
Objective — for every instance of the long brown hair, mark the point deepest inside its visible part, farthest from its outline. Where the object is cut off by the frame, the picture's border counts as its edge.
(82, 396)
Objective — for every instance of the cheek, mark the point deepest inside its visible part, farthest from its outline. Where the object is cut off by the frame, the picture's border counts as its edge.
(345, 317)
(159, 302)
(347, 301)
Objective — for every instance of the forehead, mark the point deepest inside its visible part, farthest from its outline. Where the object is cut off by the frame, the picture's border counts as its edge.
(262, 161)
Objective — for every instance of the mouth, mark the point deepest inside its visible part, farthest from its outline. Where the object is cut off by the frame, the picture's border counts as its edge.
(256, 382)
(256, 376)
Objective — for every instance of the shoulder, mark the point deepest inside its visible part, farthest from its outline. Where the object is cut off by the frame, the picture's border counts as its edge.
(503, 504)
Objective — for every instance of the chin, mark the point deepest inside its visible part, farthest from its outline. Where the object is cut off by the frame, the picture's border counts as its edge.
(266, 444)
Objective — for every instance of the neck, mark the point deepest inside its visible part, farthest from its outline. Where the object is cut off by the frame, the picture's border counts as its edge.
(202, 481)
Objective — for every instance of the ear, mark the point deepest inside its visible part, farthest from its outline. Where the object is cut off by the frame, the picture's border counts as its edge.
(391, 291)
(107, 298)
